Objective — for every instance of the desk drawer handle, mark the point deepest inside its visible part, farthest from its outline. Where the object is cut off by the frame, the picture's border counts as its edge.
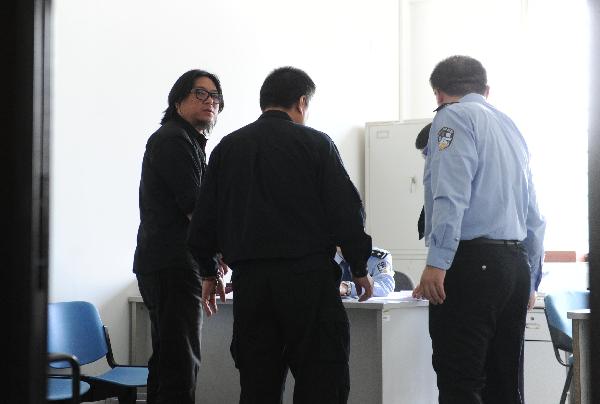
(532, 326)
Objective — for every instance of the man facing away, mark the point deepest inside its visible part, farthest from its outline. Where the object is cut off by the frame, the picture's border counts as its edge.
(276, 201)
(168, 277)
(484, 234)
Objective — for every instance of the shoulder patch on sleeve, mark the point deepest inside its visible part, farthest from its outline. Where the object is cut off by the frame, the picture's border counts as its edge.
(382, 267)
(379, 253)
(445, 137)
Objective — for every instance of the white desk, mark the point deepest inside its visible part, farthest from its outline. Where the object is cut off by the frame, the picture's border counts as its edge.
(390, 353)
(580, 386)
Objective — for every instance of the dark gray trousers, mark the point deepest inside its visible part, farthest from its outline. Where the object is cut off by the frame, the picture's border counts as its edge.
(477, 333)
(288, 315)
(173, 300)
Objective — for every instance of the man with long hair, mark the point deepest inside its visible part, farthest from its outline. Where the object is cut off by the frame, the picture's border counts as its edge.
(168, 276)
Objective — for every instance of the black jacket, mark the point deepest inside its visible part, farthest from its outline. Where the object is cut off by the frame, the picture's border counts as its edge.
(276, 189)
(172, 170)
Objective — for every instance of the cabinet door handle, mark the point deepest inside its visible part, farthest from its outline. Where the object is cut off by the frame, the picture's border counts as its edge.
(412, 184)
(532, 326)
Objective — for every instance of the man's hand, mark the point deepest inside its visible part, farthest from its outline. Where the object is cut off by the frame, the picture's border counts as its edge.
(210, 288)
(344, 289)
(431, 286)
(364, 287)
(223, 268)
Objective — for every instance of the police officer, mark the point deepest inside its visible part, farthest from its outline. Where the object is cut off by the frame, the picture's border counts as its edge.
(484, 233)
(379, 267)
(276, 201)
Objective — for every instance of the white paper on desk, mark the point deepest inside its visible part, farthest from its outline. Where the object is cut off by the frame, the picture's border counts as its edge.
(401, 296)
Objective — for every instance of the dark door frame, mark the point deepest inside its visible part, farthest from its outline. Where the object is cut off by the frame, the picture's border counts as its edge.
(24, 205)
(594, 194)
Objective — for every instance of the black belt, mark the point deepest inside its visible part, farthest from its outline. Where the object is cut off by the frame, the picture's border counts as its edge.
(489, 241)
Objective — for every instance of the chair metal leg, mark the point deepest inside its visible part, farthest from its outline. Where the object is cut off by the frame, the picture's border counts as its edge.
(563, 397)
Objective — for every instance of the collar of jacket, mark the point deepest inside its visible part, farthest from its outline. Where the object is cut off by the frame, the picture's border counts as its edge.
(275, 113)
(191, 131)
(444, 106)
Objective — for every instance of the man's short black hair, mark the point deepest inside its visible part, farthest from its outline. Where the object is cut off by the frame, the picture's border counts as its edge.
(423, 137)
(459, 75)
(284, 86)
(182, 88)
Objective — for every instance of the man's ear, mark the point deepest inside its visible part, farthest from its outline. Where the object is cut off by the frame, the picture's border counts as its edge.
(439, 96)
(302, 104)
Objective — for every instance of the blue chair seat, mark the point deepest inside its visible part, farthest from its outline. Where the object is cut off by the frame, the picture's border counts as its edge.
(126, 376)
(61, 389)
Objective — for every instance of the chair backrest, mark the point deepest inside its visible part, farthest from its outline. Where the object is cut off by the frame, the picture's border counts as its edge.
(557, 304)
(403, 282)
(76, 328)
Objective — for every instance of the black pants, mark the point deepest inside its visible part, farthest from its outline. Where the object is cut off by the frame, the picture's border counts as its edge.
(288, 315)
(173, 301)
(477, 333)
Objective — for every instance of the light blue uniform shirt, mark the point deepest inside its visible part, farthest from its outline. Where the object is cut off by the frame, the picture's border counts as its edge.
(478, 183)
(379, 266)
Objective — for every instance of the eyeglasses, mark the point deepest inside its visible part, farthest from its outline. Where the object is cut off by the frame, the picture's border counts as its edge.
(202, 95)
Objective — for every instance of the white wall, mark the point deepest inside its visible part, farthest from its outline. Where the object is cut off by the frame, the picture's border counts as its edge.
(114, 63)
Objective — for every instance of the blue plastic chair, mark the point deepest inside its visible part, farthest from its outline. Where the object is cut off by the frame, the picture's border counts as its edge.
(557, 305)
(65, 388)
(76, 328)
